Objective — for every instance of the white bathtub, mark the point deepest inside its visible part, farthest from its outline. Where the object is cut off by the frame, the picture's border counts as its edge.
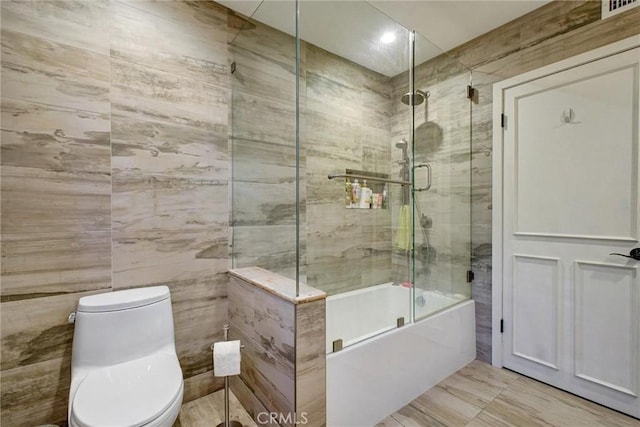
(371, 379)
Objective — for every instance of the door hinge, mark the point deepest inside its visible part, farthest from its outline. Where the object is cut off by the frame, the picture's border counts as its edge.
(233, 67)
(501, 326)
(471, 92)
(470, 276)
(503, 120)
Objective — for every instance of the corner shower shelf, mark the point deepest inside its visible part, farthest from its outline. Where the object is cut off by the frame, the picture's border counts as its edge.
(369, 178)
(377, 197)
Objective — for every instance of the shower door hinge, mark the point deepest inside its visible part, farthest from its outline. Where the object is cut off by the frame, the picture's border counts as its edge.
(503, 120)
(501, 326)
(471, 92)
(470, 276)
(233, 67)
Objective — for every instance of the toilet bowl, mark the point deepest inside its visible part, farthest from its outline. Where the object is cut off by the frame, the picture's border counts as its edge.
(124, 369)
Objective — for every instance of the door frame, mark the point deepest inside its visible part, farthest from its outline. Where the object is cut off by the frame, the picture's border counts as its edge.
(498, 212)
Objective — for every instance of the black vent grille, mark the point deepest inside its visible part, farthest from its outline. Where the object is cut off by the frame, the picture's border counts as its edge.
(617, 4)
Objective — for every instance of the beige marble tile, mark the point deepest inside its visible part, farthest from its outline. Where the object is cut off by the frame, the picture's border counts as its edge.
(274, 327)
(167, 255)
(264, 162)
(266, 42)
(265, 319)
(161, 148)
(41, 264)
(193, 342)
(310, 354)
(201, 385)
(271, 381)
(54, 138)
(332, 98)
(263, 119)
(36, 330)
(146, 93)
(148, 202)
(153, 34)
(262, 76)
(260, 204)
(277, 285)
(55, 201)
(36, 394)
(76, 23)
(40, 70)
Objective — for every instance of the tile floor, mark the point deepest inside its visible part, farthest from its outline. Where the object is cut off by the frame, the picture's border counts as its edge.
(478, 395)
(208, 411)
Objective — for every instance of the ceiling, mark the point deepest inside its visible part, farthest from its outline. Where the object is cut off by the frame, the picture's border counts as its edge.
(352, 29)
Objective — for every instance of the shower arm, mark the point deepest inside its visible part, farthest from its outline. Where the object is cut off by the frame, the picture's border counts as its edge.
(369, 178)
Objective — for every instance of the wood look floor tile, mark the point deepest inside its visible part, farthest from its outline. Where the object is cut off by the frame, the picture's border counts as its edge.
(480, 395)
(209, 411)
(443, 405)
(410, 416)
(389, 422)
(485, 419)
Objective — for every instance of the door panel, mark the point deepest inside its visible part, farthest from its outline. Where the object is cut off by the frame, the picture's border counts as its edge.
(572, 310)
(598, 329)
(536, 323)
(554, 139)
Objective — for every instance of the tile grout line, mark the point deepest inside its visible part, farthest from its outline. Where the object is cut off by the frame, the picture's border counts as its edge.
(502, 390)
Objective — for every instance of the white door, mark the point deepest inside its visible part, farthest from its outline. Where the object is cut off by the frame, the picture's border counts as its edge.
(571, 310)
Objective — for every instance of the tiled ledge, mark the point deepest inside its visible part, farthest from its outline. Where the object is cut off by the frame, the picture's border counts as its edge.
(278, 285)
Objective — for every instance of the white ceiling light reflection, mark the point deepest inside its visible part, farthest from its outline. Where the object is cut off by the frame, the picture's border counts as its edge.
(388, 37)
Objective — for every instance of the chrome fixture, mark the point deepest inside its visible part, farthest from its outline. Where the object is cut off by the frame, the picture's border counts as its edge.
(416, 98)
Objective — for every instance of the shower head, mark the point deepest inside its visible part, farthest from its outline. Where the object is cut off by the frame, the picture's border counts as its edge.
(402, 144)
(416, 98)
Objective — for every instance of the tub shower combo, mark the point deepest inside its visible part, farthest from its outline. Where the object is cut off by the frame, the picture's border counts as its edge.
(351, 176)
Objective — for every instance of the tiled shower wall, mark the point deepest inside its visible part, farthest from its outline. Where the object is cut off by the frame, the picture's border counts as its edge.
(114, 175)
(556, 31)
(348, 112)
(345, 124)
(442, 138)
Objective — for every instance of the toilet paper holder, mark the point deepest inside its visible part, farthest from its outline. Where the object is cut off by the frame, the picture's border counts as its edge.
(227, 422)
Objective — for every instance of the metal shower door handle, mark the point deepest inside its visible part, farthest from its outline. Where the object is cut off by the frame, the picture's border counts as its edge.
(428, 166)
(633, 254)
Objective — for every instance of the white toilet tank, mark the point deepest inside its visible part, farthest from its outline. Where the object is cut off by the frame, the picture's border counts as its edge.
(119, 326)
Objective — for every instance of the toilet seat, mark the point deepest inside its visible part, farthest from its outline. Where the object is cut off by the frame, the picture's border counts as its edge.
(130, 394)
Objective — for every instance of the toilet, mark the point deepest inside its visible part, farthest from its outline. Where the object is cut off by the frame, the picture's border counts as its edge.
(124, 367)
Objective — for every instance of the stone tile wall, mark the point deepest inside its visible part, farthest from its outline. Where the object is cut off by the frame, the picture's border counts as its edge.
(115, 170)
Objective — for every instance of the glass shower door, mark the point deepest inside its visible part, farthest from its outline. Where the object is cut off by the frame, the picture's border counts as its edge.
(441, 167)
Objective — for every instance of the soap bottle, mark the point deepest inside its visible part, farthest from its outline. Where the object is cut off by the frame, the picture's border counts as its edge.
(348, 200)
(355, 193)
(365, 195)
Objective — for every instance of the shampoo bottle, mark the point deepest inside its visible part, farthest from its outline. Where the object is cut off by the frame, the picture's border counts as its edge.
(348, 199)
(355, 198)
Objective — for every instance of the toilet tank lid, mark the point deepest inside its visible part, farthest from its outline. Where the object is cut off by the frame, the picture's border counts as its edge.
(122, 300)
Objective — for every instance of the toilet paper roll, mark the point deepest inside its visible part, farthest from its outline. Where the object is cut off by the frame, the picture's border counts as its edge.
(226, 358)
